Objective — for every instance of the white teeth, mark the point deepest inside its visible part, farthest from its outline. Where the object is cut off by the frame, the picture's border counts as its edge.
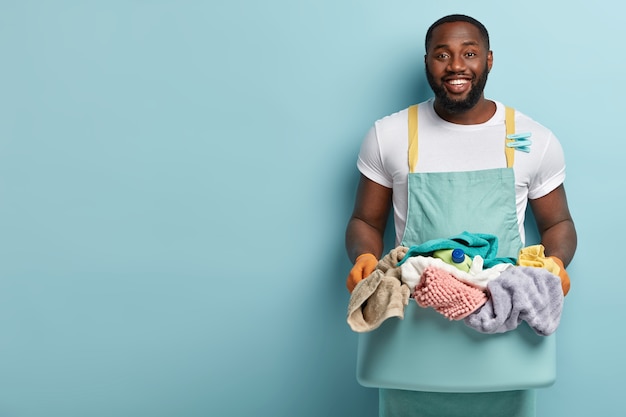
(457, 82)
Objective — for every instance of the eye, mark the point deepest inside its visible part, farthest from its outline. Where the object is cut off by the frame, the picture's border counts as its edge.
(470, 54)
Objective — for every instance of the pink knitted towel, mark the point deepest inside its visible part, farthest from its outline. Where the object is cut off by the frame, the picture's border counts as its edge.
(446, 294)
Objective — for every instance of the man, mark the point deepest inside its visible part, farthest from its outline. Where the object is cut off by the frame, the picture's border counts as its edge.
(446, 166)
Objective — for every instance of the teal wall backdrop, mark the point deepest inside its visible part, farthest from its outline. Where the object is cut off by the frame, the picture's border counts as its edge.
(176, 176)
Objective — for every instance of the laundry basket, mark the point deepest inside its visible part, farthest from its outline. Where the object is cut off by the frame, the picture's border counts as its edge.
(427, 352)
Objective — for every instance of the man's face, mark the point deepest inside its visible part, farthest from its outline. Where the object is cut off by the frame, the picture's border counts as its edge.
(457, 65)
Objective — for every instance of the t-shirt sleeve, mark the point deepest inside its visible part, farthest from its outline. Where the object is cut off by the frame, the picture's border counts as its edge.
(370, 161)
(551, 172)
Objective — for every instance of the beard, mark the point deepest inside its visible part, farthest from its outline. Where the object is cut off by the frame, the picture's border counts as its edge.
(458, 106)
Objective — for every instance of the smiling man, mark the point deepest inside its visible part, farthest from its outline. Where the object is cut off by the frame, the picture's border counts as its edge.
(452, 154)
(457, 69)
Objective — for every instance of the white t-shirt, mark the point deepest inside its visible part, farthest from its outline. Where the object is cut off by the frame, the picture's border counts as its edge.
(449, 147)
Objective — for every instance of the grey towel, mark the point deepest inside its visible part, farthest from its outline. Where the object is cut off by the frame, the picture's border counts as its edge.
(528, 294)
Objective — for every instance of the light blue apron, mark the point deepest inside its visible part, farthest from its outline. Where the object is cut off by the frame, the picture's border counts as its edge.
(445, 204)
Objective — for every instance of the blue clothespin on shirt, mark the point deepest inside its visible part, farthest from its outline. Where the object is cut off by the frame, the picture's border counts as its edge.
(520, 141)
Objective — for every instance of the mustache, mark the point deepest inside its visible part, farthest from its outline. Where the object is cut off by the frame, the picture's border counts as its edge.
(458, 106)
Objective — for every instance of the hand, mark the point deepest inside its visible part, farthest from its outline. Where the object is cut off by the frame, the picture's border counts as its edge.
(565, 283)
(363, 266)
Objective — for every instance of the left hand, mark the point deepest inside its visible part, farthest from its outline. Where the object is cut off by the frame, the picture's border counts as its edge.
(565, 282)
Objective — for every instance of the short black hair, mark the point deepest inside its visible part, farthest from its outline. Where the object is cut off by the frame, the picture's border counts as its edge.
(457, 18)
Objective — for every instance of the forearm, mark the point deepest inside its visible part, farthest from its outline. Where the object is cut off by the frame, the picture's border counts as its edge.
(366, 228)
(555, 224)
(560, 240)
(363, 238)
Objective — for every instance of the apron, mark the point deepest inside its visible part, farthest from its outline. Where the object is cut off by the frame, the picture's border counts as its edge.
(441, 205)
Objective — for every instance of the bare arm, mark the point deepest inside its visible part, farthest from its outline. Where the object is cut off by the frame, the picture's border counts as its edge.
(366, 227)
(555, 224)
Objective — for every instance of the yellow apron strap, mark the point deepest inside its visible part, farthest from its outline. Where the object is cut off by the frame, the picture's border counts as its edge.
(509, 121)
(412, 138)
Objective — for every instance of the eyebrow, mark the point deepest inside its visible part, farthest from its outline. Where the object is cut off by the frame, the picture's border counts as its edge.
(466, 43)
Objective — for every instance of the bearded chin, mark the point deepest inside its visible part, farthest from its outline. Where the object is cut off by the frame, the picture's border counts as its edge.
(458, 106)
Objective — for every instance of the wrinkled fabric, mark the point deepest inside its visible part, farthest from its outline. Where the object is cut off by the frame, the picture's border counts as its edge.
(535, 256)
(482, 244)
(379, 296)
(414, 267)
(528, 294)
(389, 263)
(447, 295)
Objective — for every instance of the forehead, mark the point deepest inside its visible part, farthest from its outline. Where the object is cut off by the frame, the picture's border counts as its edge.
(455, 33)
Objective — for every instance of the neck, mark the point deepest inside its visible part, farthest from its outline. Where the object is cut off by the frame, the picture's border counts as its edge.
(480, 113)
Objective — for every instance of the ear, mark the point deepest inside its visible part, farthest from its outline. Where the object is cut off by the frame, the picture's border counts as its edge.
(489, 60)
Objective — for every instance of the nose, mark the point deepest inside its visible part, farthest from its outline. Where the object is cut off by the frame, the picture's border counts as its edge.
(456, 64)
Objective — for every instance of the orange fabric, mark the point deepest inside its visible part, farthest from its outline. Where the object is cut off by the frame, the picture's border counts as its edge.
(363, 266)
(565, 283)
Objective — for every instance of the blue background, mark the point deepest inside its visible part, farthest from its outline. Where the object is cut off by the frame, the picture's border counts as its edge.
(176, 176)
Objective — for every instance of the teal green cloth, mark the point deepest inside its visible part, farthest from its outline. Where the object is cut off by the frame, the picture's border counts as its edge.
(483, 244)
(399, 403)
(444, 204)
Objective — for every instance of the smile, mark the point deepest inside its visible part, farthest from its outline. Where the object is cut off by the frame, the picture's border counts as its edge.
(458, 85)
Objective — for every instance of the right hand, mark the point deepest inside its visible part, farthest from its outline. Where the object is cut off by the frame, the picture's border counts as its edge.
(363, 267)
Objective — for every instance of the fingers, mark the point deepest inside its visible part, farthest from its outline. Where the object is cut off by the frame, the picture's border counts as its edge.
(565, 282)
(365, 264)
